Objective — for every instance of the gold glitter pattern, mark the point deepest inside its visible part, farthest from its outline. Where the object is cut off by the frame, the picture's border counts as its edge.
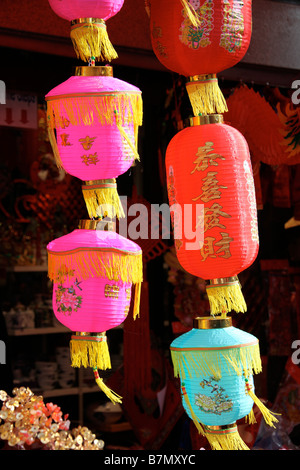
(26, 422)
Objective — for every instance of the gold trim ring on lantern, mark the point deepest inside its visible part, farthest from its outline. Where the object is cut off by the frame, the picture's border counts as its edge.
(90, 224)
(95, 21)
(222, 282)
(223, 429)
(211, 77)
(202, 120)
(209, 323)
(95, 337)
(97, 71)
(109, 183)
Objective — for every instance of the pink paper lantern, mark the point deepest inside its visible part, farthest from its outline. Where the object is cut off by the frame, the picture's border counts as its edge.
(93, 272)
(72, 9)
(93, 125)
(88, 25)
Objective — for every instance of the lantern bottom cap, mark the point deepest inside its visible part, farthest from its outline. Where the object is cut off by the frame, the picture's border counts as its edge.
(225, 295)
(225, 437)
(223, 427)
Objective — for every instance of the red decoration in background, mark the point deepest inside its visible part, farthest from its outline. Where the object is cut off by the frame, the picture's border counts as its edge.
(261, 125)
(137, 348)
(137, 341)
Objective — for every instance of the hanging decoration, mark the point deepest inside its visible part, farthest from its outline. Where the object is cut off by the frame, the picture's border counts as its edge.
(208, 167)
(270, 133)
(198, 39)
(290, 120)
(93, 121)
(93, 270)
(216, 363)
(88, 29)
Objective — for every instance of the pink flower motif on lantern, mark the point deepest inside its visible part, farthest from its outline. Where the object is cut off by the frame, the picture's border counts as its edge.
(67, 300)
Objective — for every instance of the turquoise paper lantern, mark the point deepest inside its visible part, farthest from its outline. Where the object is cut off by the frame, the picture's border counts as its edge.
(216, 363)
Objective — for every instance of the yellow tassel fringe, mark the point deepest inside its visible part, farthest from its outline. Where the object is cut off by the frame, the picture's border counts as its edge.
(192, 413)
(115, 265)
(223, 298)
(102, 201)
(105, 108)
(250, 418)
(88, 352)
(225, 439)
(128, 141)
(53, 143)
(137, 300)
(238, 360)
(113, 397)
(91, 40)
(206, 97)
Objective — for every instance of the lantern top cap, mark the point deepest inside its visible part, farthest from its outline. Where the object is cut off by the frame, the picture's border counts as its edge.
(209, 323)
(90, 224)
(94, 71)
(86, 239)
(202, 120)
(92, 85)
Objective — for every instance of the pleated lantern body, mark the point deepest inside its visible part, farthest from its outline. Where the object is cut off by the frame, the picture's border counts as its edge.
(93, 126)
(216, 367)
(198, 39)
(93, 273)
(88, 26)
(208, 168)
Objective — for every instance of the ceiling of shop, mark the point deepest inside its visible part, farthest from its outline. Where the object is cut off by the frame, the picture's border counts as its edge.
(273, 55)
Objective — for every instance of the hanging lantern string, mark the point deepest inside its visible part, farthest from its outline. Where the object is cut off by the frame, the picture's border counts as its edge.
(114, 397)
(268, 415)
(92, 61)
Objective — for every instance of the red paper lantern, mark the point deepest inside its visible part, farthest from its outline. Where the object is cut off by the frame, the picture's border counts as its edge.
(198, 39)
(208, 163)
